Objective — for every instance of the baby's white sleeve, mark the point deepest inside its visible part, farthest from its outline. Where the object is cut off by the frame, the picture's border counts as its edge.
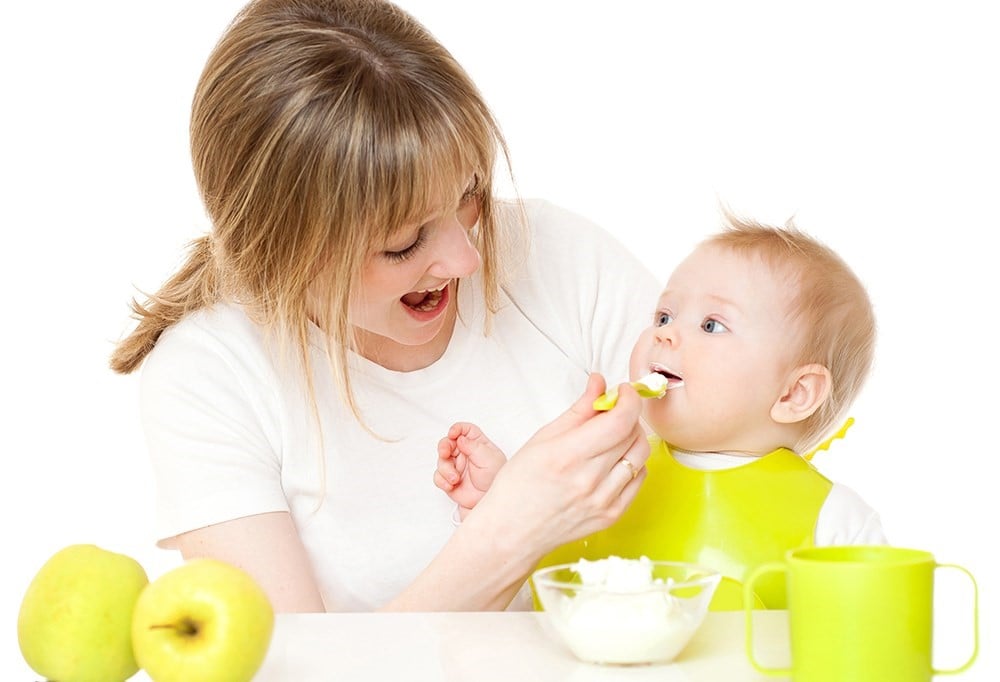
(846, 519)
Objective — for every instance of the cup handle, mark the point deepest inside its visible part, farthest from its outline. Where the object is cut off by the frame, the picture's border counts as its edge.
(975, 622)
(748, 604)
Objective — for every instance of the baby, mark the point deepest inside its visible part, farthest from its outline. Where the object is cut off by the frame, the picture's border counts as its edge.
(765, 337)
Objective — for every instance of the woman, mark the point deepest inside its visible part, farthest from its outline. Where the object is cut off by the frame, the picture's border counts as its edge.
(360, 290)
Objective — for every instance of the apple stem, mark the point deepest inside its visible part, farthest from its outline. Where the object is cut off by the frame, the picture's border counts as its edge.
(186, 627)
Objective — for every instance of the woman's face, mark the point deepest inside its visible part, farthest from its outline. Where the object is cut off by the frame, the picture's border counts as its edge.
(403, 310)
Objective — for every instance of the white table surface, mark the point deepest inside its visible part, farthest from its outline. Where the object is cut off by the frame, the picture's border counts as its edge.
(515, 647)
(482, 647)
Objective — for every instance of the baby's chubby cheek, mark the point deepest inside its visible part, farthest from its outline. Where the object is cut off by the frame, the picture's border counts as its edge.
(653, 415)
(638, 364)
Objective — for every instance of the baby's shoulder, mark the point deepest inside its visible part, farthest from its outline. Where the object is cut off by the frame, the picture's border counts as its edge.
(847, 519)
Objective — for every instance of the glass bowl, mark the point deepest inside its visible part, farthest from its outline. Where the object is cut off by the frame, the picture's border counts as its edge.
(625, 611)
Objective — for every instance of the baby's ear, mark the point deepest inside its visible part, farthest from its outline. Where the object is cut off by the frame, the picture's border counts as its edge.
(807, 388)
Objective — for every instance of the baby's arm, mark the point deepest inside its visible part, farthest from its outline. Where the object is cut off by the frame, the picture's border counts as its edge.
(467, 464)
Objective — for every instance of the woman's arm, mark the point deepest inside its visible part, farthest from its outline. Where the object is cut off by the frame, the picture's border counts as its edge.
(268, 547)
(566, 482)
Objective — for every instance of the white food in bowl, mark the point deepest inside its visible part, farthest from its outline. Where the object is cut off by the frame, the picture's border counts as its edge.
(619, 613)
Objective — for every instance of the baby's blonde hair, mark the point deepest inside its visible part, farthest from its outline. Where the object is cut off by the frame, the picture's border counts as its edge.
(831, 309)
(318, 129)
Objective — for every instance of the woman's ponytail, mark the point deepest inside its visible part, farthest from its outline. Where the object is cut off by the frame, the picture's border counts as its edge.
(193, 287)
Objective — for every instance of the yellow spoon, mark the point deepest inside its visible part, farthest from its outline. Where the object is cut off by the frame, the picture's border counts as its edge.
(652, 385)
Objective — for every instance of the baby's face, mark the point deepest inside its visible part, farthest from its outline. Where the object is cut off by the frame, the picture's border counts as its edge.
(721, 325)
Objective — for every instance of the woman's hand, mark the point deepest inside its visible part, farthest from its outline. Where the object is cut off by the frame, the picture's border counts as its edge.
(575, 476)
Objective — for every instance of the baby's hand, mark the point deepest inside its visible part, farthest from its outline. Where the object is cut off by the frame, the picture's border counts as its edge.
(467, 464)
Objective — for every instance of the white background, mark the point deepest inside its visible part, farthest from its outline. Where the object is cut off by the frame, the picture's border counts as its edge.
(874, 123)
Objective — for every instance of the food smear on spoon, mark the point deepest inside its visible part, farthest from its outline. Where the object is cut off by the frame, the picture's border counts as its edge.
(653, 385)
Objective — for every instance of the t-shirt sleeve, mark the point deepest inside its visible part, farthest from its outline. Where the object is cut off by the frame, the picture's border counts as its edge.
(846, 519)
(591, 294)
(209, 432)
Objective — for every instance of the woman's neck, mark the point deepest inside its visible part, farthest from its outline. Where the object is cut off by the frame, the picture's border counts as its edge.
(399, 357)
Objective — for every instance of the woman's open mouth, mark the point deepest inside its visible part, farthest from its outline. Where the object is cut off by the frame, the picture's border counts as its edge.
(427, 303)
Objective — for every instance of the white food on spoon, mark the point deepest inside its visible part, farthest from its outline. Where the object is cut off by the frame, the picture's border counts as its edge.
(655, 383)
(672, 379)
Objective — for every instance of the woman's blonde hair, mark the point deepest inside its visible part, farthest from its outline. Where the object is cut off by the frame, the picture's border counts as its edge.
(318, 129)
(831, 309)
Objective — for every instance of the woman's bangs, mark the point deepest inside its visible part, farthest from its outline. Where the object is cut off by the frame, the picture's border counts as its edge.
(426, 169)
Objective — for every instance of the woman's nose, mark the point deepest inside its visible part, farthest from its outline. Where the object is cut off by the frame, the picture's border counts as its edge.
(458, 256)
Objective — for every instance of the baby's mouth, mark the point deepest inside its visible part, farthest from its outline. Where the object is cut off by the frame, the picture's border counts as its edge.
(673, 380)
(425, 300)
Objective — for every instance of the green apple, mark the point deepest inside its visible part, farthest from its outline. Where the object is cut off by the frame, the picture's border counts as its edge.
(76, 616)
(204, 621)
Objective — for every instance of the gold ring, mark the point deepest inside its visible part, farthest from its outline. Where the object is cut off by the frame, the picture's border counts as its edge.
(631, 467)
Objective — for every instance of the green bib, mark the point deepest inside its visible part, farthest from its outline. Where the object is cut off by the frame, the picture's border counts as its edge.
(730, 520)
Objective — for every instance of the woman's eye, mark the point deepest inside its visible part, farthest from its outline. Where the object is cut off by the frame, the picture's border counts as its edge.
(403, 254)
(713, 326)
(662, 318)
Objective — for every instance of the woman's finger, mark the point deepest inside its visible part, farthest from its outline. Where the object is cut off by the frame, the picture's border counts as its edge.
(605, 436)
(626, 473)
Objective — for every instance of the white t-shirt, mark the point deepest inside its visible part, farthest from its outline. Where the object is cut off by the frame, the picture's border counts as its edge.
(844, 518)
(231, 431)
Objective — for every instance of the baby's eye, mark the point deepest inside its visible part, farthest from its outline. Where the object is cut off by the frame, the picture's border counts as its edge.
(662, 318)
(713, 326)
